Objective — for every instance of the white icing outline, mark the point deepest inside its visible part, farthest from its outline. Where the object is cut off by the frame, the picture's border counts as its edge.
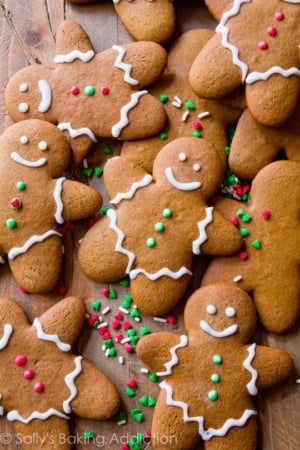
(75, 54)
(181, 186)
(8, 329)
(206, 435)
(15, 415)
(247, 364)
(255, 76)
(57, 197)
(147, 179)
(24, 162)
(70, 382)
(124, 121)
(46, 92)
(15, 251)
(164, 272)
(202, 224)
(229, 331)
(174, 360)
(75, 132)
(63, 346)
(124, 66)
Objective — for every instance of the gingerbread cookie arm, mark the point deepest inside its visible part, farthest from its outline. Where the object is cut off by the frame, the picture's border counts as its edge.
(155, 349)
(79, 200)
(72, 42)
(13, 315)
(273, 366)
(218, 7)
(44, 432)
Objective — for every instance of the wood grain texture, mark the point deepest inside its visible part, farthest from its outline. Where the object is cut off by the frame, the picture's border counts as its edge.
(27, 36)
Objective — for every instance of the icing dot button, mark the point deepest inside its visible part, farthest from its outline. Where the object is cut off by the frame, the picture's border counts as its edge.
(38, 387)
(105, 90)
(28, 374)
(74, 90)
(167, 213)
(159, 227)
(20, 185)
(23, 107)
(217, 359)
(11, 223)
(43, 145)
(23, 87)
(279, 15)
(215, 378)
(24, 140)
(16, 203)
(272, 31)
(213, 395)
(151, 242)
(263, 45)
(89, 91)
(20, 360)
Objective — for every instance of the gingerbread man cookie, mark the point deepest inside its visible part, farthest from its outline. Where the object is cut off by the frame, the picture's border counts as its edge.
(187, 114)
(268, 265)
(263, 144)
(212, 373)
(91, 95)
(41, 381)
(260, 54)
(35, 200)
(159, 223)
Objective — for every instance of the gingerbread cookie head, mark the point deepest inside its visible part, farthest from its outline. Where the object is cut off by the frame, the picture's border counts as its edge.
(158, 223)
(267, 266)
(36, 200)
(260, 54)
(41, 381)
(91, 95)
(211, 374)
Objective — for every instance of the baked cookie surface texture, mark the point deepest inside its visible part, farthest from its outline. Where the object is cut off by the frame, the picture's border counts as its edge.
(211, 374)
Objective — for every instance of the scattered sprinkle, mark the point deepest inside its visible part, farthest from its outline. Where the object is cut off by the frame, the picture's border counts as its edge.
(107, 150)
(144, 370)
(137, 414)
(203, 114)
(87, 434)
(185, 115)
(163, 98)
(159, 319)
(96, 305)
(256, 244)
(237, 278)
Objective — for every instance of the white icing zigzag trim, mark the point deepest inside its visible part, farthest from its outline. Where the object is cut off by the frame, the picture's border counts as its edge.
(129, 194)
(251, 386)
(206, 435)
(174, 360)
(8, 329)
(202, 230)
(124, 66)
(112, 215)
(124, 121)
(15, 415)
(70, 382)
(57, 197)
(164, 272)
(64, 347)
(15, 251)
(75, 132)
(255, 76)
(75, 54)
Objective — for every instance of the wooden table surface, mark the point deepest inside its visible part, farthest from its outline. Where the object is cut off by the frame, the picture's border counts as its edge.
(27, 36)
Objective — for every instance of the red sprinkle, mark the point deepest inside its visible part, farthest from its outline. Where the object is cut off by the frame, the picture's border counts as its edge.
(128, 347)
(119, 338)
(126, 325)
(106, 335)
(102, 330)
(23, 290)
(263, 45)
(266, 214)
(125, 447)
(105, 292)
(20, 360)
(243, 255)
(279, 15)
(115, 324)
(75, 90)
(92, 319)
(62, 290)
(132, 383)
(147, 436)
(105, 90)
(235, 221)
(197, 125)
(272, 31)
(171, 319)
(28, 374)
(118, 315)
(38, 387)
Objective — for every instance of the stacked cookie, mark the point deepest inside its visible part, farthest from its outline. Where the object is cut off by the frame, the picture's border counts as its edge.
(206, 108)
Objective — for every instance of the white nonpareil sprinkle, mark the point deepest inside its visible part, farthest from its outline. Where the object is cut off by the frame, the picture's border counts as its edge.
(237, 278)
(103, 324)
(178, 105)
(185, 115)
(177, 99)
(203, 114)
(144, 370)
(85, 163)
(125, 340)
(160, 319)
(106, 310)
(121, 360)
(121, 422)
(123, 310)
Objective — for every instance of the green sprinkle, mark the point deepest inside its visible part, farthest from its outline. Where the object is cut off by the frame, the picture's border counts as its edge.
(107, 150)
(145, 330)
(163, 98)
(140, 437)
(215, 378)
(87, 434)
(124, 282)
(256, 243)
(108, 343)
(246, 217)
(151, 242)
(11, 223)
(190, 104)
(217, 359)
(20, 185)
(167, 213)
(130, 392)
(231, 179)
(135, 313)
(227, 150)
(131, 332)
(197, 134)
(133, 445)
(96, 323)
(151, 402)
(163, 136)
(112, 293)
(230, 132)
(89, 90)
(137, 415)
(153, 377)
(104, 210)
(122, 417)
(240, 212)
(96, 305)
(88, 172)
(134, 340)
(98, 171)
(244, 232)
(127, 300)
(111, 352)
(213, 395)
(143, 400)
(159, 227)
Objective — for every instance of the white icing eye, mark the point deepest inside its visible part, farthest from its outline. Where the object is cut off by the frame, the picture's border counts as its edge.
(196, 167)
(43, 145)
(23, 107)
(182, 156)
(23, 87)
(211, 309)
(230, 312)
(24, 140)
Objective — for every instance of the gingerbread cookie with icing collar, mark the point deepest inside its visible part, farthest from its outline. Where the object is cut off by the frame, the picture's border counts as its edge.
(211, 374)
(41, 381)
(187, 113)
(158, 223)
(36, 200)
(260, 54)
(268, 265)
(91, 95)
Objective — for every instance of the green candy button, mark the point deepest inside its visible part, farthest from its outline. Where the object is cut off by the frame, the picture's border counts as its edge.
(11, 223)
(89, 90)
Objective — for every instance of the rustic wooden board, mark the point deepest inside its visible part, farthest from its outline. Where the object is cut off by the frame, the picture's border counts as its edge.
(27, 36)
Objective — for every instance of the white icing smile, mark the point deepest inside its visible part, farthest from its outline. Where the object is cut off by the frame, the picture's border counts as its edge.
(218, 334)
(188, 186)
(24, 162)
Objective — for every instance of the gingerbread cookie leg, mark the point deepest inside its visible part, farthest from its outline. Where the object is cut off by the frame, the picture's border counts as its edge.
(247, 435)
